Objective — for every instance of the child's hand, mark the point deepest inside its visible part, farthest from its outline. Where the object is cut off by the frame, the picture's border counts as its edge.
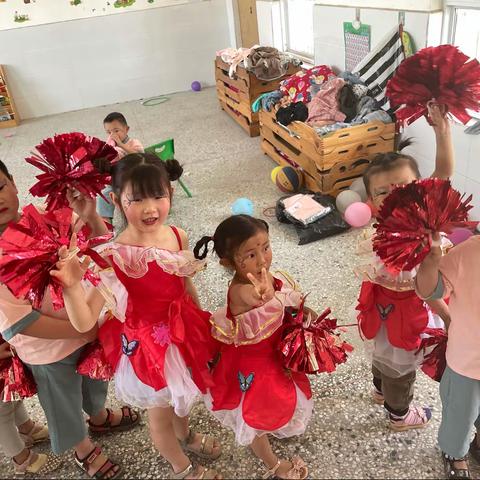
(5, 351)
(264, 290)
(438, 118)
(70, 270)
(83, 206)
(116, 138)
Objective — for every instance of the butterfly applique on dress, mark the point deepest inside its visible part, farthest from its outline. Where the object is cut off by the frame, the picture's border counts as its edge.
(245, 382)
(385, 311)
(128, 348)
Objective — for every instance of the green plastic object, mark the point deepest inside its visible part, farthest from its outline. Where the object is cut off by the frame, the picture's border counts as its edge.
(166, 151)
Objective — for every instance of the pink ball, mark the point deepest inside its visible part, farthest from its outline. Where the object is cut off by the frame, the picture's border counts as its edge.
(358, 214)
(459, 235)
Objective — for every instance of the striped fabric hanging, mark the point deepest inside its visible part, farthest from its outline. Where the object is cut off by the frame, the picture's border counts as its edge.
(380, 65)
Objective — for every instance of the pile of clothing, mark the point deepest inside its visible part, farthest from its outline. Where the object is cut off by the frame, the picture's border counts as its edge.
(323, 100)
(266, 63)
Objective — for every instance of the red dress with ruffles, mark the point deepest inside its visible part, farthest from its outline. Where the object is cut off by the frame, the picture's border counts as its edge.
(163, 336)
(253, 393)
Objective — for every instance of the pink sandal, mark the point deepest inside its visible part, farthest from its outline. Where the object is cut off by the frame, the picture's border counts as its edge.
(299, 470)
(43, 464)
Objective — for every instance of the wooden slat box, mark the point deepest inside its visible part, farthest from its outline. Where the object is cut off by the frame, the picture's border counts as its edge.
(329, 163)
(236, 95)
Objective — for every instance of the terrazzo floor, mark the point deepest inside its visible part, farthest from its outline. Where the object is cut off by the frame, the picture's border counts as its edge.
(348, 435)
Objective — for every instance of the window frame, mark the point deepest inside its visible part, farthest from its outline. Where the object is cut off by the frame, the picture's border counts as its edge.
(303, 56)
(450, 17)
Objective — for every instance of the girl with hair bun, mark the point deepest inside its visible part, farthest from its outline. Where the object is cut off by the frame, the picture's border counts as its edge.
(158, 343)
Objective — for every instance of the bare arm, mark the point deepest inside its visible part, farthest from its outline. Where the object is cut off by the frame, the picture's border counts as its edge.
(85, 208)
(57, 328)
(429, 271)
(189, 285)
(5, 351)
(192, 291)
(83, 311)
(445, 156)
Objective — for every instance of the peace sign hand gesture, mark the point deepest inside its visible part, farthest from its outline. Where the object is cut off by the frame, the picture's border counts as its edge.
(263, 288)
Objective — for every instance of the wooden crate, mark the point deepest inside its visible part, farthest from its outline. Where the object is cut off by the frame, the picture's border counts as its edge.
(236, 95)
(329, 163)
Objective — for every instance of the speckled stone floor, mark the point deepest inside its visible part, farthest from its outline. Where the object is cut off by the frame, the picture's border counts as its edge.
(348, 436)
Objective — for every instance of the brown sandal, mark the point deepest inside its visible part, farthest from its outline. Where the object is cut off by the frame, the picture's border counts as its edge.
(205, 474)
(101, 473)
(130, 418)
(206, 446)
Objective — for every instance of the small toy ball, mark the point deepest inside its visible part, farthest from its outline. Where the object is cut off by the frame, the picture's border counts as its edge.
(345, 199)
(242, 206)
(358, 214)
(289, 179)
(274, 172)
(359, 187)
(196, 86)
(459, 235)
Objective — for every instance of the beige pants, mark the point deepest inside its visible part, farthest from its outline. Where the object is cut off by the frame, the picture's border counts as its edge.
(12, 415)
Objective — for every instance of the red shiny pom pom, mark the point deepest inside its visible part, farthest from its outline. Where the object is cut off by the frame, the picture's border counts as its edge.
(434, 362)
(408, 217)
(442, 74)
(312, 346)
(30, 250)
(94, 364)
(67, 161)
(16, 381)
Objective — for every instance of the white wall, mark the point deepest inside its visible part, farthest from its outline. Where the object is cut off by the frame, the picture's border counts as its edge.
(95, 61)
(51, 11)
(328, 30)
(426, 30)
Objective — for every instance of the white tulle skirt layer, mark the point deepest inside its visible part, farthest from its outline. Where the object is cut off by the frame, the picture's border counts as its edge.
(181, 393)
(397, 362)
(244, 434)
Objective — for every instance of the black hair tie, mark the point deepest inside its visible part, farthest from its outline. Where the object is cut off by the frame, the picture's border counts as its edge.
(202, 243)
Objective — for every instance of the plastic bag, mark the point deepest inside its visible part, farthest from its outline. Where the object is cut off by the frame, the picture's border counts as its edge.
(304, 209)
(330, 224)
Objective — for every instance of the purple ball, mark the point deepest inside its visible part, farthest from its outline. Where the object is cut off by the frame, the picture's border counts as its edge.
(459, 235)
(196, 86)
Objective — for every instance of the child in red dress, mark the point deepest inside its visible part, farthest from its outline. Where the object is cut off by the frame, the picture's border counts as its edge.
(391, 316)
(159, 342)
(253, 394)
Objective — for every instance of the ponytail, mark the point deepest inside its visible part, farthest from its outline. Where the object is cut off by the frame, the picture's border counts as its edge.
(402, 143)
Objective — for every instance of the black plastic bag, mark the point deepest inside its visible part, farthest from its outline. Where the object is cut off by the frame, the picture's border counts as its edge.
(329, 225)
